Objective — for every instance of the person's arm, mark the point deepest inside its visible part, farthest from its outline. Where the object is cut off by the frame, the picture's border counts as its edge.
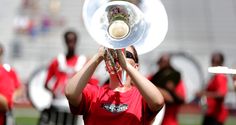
(220, 83)
(18, 85)
(149, 91)
(172, 92)
(77, 83)
(235, 85)
(167, 96)
(3, 104)
(213, 94)
(234, 81)
(51, 69)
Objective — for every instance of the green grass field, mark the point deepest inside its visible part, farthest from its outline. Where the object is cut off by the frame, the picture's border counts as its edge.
(29, 116)
(195, 119)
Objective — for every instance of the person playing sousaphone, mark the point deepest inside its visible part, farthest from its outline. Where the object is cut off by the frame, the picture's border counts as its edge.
(136, 101)
(129, 98)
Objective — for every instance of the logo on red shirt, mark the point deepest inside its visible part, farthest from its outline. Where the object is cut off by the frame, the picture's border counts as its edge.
(115, 108)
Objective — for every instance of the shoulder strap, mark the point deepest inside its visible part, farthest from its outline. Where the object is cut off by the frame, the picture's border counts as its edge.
(80, 62)
(7, 67)
(63, 66)
(61, 58)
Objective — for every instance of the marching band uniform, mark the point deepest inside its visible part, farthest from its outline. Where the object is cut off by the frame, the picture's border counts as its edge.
(114, 104)
(171, 118)
(216, 110)
(6, 90)
(59, 71)
(168, 79)
(100, 105)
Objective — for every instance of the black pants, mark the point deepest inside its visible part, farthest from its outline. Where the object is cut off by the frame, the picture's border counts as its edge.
(210, 121)
(52, 116)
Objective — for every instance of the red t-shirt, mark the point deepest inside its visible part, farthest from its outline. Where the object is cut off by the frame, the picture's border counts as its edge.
(171, 112)
(103, 106)
(13, 75)
(216, 107)
(61, 69)
(6, 90)
(59, 77)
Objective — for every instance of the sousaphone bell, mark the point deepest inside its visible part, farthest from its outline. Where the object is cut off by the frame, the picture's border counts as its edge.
(117, 24)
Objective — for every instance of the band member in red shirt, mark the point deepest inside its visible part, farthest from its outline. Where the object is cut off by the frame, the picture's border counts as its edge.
(18, 91)
(215, 93)
(11, 88)
(60, 70)
(6, 95)
(168, 80)
(64, 65)
(133, 101)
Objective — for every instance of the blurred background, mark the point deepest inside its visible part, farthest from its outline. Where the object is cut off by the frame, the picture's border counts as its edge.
(32, 34)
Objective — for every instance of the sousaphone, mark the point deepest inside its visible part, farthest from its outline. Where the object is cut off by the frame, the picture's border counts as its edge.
(144, 23)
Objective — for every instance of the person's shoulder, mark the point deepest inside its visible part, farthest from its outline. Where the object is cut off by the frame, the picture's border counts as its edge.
(82, 57)
(93, 87)
(2, 70)
(8, 67)
(174, 70)
(54, 60)
(219, 76)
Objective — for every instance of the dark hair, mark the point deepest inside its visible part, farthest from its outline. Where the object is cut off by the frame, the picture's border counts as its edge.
(218, 57)
(135, 54)
(67, 33)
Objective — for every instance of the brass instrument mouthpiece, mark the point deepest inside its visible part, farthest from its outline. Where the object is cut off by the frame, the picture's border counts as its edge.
(118, 29)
